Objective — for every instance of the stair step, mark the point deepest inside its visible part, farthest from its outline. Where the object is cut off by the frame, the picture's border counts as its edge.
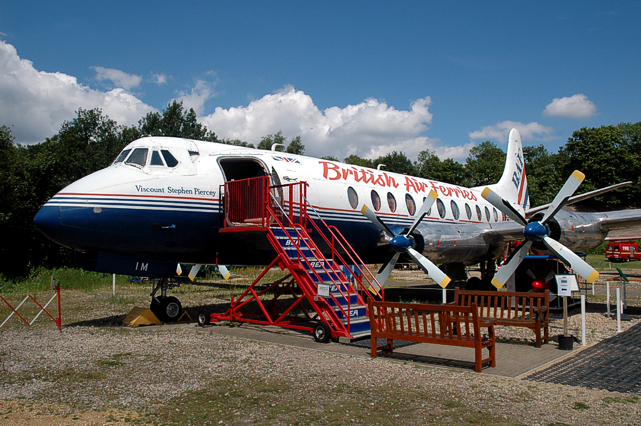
(358, 325)
(355, 311)
(341, 300)
(360, 334)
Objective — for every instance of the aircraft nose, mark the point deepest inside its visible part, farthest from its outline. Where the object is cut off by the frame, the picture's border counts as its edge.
(47, 220)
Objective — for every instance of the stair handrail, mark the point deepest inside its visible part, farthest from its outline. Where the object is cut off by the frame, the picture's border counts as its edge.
(323, 260)
(351, 253)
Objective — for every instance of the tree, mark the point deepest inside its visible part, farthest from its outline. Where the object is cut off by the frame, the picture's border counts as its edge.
(484, 165)
(543, 173)
(429, 166)
(296, 146)
(358, 161)
(175, 121)
(606, 155)
(396, 162)
(237, 142)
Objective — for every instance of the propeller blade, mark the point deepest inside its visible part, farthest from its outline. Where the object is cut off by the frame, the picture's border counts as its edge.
(194, 271)
(376, 221)
(505, 207)
(179, 269)
(224, 271)
(506, 271)
(564, 195)
(423, 211)
(386, 269)
(430, 268)
(577, 264)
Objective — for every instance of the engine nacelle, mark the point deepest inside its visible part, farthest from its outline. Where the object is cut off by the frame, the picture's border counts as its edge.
(576, 231)
(448, 244)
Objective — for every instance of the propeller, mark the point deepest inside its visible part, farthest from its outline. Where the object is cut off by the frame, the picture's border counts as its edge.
(404, 243)
(538, 231)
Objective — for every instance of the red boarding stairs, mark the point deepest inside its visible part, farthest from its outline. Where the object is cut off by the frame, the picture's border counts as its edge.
(327, 294)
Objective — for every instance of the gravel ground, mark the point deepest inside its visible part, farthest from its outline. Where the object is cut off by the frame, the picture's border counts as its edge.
(94, 372)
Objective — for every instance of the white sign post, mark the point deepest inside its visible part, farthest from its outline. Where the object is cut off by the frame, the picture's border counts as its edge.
(565, 284)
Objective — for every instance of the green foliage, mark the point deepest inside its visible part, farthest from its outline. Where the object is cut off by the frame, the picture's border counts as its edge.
(396, 162)
(294, 147)
(176, 122)
(544, 176)
(484, 165)
(39, 279)
(358, 161)
(429, 166)
(606, 155)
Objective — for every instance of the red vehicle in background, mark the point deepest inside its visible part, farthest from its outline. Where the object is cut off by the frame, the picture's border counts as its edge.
(622, 251)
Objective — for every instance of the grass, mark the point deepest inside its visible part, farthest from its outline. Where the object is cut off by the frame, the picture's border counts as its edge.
(267, 401)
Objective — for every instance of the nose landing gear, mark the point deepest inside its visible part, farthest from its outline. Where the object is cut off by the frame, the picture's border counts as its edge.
(166, 308)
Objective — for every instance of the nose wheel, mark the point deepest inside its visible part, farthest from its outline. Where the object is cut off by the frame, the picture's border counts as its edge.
(166, 308)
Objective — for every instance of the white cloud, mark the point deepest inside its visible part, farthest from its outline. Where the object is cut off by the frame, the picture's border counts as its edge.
(576, 106)
(160, 78)
(499, 132)
(370, 128)
(35, 103)
(197, 96)
(119, 78)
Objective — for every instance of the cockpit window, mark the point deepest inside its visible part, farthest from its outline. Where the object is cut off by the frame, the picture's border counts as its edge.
(170, 160)
(138, 157)
(122, 156)
(193, 155)
(155, 159)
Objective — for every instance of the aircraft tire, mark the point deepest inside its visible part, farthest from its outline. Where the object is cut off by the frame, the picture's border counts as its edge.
(322, 332)
(203, 318)
(168, 309)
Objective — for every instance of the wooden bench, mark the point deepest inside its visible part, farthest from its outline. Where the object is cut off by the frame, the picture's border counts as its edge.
(440, 324)
(516, 309)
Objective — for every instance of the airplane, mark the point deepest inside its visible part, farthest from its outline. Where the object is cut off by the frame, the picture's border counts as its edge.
(161, 203)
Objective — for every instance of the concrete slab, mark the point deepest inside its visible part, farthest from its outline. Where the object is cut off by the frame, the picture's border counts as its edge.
(512, 359)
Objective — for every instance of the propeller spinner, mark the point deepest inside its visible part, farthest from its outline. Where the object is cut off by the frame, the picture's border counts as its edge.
(538, 231)
(404, 243)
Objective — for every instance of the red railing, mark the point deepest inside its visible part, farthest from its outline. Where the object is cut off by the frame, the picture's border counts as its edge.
(57, 320)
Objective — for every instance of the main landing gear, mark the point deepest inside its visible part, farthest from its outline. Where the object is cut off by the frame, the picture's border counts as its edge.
(166, 308)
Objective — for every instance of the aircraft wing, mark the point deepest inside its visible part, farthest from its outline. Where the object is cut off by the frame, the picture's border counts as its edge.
(503, 233)
(581, 197)
(620, 219)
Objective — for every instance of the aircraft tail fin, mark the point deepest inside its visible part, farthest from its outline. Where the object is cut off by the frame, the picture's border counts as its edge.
(513, 183)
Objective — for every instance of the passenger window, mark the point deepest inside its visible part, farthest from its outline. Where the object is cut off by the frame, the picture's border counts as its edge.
(122, 156)
(487, 214)
(391, 202)
(155, 159)
(441, 208)
(376, 200)
(496, 216)
(468, 211)
(455, 210)
(352, 196)
(478, 214)
(138, 157)
(411, 205)
(170, 160)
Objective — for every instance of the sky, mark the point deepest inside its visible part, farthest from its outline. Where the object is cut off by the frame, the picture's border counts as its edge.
(349, 77)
